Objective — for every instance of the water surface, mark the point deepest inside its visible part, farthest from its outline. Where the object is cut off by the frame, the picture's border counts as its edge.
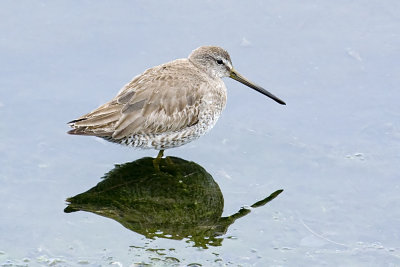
(334, 149)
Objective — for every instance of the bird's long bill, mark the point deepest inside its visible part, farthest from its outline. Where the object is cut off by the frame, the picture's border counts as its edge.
(236, 76)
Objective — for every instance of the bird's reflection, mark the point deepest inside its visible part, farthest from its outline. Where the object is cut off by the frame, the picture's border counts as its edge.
(181, 200)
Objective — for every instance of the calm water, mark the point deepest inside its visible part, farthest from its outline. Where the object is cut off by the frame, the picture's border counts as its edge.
(334, 149)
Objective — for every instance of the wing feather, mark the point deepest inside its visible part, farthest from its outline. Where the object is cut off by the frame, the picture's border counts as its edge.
(162, 99)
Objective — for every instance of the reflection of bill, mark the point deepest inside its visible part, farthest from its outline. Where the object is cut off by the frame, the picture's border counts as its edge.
(180, 201)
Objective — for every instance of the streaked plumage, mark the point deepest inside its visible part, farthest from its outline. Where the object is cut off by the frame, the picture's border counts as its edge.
(168, 105)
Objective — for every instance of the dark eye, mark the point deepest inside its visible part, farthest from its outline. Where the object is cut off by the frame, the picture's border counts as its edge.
(219, 61)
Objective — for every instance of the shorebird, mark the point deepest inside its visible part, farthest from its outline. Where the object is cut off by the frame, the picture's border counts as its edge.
(168, 105)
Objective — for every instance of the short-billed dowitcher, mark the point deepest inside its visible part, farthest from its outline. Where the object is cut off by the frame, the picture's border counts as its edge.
(168, 105)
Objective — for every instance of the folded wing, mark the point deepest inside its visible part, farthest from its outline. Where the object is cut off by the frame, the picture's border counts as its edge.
(157, 101)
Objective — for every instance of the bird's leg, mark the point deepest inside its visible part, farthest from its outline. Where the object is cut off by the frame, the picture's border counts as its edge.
(160, 154)
(169, 160)
(156, 161)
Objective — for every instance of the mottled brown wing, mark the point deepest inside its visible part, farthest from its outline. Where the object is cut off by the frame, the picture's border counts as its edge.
(162, 99)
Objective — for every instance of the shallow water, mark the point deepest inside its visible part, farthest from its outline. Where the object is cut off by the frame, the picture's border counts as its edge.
(334, 149)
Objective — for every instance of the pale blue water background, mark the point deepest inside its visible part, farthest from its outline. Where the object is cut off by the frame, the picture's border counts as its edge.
(334, 149)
